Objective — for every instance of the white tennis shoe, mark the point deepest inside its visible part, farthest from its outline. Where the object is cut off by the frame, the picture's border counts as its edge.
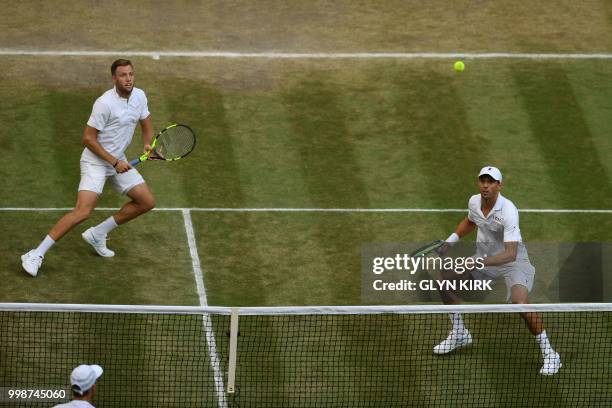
(455, 339)
(552, 364)
(98, 243)
(31, 262)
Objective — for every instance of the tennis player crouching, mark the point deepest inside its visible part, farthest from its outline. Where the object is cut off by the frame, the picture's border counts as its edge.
(107, 135)
(499, 237)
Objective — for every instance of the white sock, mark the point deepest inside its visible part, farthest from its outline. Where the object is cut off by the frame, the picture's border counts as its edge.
(457, 321)
(45, 245)
(105, 227)
(544, 343)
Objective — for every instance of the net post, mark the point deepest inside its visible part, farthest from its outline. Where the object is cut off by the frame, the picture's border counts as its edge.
(233, 346)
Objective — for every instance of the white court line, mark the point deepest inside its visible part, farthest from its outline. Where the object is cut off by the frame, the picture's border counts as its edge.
(392, 210)
(327, 210)
(215, 361)
(305, 55)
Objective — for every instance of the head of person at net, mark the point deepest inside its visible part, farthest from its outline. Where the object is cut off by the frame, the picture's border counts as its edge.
(83, 384)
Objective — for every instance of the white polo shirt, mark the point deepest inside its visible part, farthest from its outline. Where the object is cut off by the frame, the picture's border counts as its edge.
(499, 226)
(75, 404)
(116, 118)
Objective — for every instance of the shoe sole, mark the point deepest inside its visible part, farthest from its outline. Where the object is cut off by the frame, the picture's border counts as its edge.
(453, 349)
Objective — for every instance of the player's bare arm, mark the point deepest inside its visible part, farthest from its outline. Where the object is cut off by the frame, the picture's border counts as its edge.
(465, 227)
(507, 256)
(147, 133)
(90, 140)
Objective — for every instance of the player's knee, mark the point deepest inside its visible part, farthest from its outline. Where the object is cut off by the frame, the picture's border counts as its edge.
(82, 214)
(519, 296)
(147, 204)
(520, 301)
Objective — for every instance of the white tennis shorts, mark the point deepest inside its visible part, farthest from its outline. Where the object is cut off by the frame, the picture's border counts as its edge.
(94, 176)
(519, 272)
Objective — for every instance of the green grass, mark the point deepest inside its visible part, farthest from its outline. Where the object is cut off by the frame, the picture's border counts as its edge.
(148, 360)
(315, 26)
(332, 134)
(353, 134)
(153, 269)
(254, 259)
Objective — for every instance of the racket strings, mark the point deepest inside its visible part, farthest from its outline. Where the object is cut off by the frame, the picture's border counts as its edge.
(175, 142)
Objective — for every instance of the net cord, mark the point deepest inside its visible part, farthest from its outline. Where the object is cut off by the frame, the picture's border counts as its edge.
(311, 310)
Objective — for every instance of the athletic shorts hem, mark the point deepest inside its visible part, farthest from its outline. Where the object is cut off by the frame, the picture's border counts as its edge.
(127, 189)
(94, 177)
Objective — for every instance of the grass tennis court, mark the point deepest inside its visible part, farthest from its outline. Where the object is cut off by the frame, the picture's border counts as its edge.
(330, 133)
(319, 134)
(249, 259)
(311, 133)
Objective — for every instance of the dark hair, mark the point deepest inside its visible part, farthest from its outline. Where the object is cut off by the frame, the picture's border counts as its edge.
(120, 63)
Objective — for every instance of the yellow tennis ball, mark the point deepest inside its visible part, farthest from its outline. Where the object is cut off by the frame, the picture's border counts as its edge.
(459, 66)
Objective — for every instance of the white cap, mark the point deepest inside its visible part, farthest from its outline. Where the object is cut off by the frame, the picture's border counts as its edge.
(84, 377)
(491, 171)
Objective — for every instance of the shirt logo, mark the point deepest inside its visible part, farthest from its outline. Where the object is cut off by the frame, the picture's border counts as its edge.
(498, 219)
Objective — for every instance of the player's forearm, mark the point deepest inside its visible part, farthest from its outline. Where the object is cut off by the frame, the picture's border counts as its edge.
(465, 227)
(90, 140)
(147, 131)
(507, 256)
(147, 137)
(499, 259)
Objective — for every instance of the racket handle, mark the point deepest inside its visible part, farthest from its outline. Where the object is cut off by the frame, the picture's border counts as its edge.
(134, 162)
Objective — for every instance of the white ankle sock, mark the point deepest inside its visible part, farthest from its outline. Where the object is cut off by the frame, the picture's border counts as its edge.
(544, 343)
(105, 227)
(45, 245)
(457, 321)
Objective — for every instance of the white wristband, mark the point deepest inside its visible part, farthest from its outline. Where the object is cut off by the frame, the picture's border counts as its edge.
(453, 239)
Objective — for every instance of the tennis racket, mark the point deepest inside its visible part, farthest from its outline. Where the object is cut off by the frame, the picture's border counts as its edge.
(427, 249)
(173, 143)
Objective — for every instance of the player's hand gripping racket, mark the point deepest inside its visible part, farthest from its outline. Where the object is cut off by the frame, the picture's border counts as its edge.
(173, 143)
(427, 249)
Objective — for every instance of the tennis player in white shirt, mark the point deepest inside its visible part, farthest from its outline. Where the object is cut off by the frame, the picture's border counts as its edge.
(499, 242)
(107, 135)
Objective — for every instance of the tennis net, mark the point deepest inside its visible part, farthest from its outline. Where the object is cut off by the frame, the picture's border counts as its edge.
(378, 356)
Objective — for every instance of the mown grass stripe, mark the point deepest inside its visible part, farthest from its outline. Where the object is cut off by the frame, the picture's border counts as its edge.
(562, 135)
(330, 167)
(329, 163)
(437, 131)
(303, 55)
